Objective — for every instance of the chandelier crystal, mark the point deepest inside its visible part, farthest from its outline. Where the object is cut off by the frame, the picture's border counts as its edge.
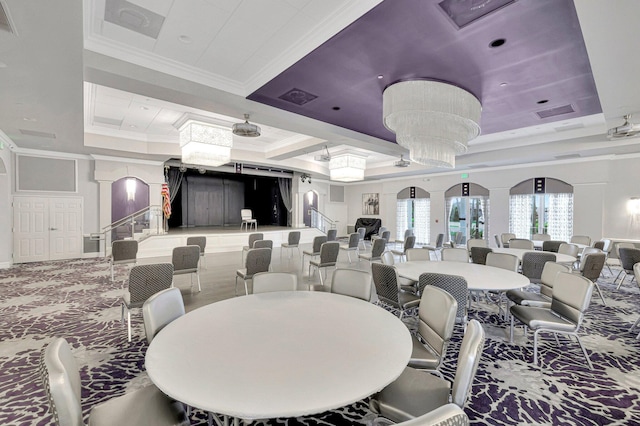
(432, 119)
(205, 144)
(347, 167)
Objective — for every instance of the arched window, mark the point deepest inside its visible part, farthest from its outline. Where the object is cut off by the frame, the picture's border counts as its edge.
(467, 212)
(413, 212)
(541, 206)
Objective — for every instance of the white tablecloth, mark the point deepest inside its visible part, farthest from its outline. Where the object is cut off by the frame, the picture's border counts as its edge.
(560, 258)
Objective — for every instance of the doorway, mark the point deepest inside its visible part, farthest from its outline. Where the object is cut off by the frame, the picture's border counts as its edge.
(467, 212)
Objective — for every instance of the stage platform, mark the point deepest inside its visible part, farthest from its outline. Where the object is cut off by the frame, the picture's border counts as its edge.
(219, 239)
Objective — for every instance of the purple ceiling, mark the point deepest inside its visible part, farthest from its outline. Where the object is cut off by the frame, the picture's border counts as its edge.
(542, 59)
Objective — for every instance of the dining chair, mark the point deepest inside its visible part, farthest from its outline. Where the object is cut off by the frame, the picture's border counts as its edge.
(436, 319)
(628, 258)
(541, 299)
(407, 233)
(185, 261)
(590, 266)
(293, 242)
(446, 415)
(541, 237)
(62, 384)
(552, 245)
(598, 244)
(476, 242)
(380, 234)
(505, 238)
(265, 244)
(497, 240)
(252, 240)
(479, 254)
(385, 280)
(352, 245)
(569, 301)
(200, 242)
(160, 309)
(352, 282)
(580, 239)
(266, 282)
(417, 254)
(636, 273)
(409, 243)
(436, 249)
(455, 255)
(362, 232)
(332, 235)
(328, 258)
(247, 220)
(122, 252)
(258, 260)
(415, 393)
(455, 285)
(521, 243)
(569, 249)
(318, 241)
(533, 264)
(378, 247)
(144, 281)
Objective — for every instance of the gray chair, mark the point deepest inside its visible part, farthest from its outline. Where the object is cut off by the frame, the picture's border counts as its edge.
(160, 309)
(185, 261)
(258, 260)
(521, 243)
(252, 240)
(533, 264)
(552, 245)
(580, 239)
(378, 247)
(455, 285)
(570, 299)
(328, 258)
(497, 239)
(385, 280)
(352, 245)
(352, 282)
(436, 319)
(332, 235)
(318, 241)
(505, 238)
(446, 415)
(476, 242)
(293, 242)
(247, 220)
(362, 232)
(415, 393)
(506, 261)
(569, 249)
(200, 242)
(455, 255)
(417, 254)
(590, 266)
(407, 233)
(122, 252)
(479, 254)
(543, 298)
(61, 380)
(409, 243)
(438, 247)
(599, 245)
(264, 244)
(628, 258)
(144, 282)
(636, 273)
(266, 282)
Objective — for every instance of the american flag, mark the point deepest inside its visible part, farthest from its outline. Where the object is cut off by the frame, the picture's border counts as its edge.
(166, 201)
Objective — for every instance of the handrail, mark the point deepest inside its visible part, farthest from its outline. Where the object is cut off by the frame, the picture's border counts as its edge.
(127, 218)
(143, 220)
(320, 220)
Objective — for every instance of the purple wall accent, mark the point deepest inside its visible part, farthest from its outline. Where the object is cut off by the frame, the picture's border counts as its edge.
(544, 58)
(120, 205)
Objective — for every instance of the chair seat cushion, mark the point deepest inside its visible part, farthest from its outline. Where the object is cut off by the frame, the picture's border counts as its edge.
(287, 245)
(317, 264)
(536, 318)
(422, 357)
(398, 252)
(412, 394)
(146, 406)
(527, 298)
(310, 253)
(185, 271)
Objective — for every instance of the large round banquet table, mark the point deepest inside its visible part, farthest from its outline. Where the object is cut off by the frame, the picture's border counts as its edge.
(560, 258)
(280, 354)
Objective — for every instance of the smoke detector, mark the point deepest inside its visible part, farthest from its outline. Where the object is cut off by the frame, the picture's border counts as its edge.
(402, 162)
(627, 130)
(246, 129)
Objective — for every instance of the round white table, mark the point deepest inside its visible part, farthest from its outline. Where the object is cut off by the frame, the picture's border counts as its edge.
(538, 244)
(281, 354)
(478, 277)
(560, 258)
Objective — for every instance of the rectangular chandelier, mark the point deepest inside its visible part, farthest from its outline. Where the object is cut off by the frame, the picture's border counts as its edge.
(347, 167)
(205, 144)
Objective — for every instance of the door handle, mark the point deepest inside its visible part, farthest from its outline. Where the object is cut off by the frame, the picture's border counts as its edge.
(53, 229)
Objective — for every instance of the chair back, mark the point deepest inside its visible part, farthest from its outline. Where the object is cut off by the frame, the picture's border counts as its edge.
(506, 261)
(408, 233)
(439, 241)
(198, 241)
(628, 258)
(591, 265)
(552, 245)
(381, 230)
(61, 381)
(418, 254)
(263, 244)
(599, 245)
(385, 279)
(521, 243)
(436, 318)
(495, 237)
(476, 242)
(354, 239)
(569, 249)
(618, 246)
(608, 245)
(455, 285)
(589, 250)
(258, 260)
(445, 415)
(293, 238)
(185, 259)
(352, 282)
(332, 234)
(379, 244)
(533, 264)
(387, 258)
(246, 214)
(386, 235)
(455, 255)
(458, 238)
(636, 272)
(361, 233)
(266, 282)
(505, 238)
(255, 237)
(571, 297)
(317, 243)
(147, 280)
(124, 250)
(409, 243)
(329, 253)
(160, 309)
(549, 275)
(479, 254)
(541, 237)
(581, 239)
(468, 360)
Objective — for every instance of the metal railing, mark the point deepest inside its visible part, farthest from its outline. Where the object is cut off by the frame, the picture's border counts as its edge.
(138, 226)
(321, 221)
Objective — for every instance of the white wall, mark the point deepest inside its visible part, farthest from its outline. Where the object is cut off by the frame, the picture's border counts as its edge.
(6, 243)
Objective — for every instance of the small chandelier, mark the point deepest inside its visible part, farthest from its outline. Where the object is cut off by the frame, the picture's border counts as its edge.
(205, 144)
(432, 119)
(347, 167)
(246, 129)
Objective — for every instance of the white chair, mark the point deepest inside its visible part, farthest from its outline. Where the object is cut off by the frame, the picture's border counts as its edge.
(418, 254)
(455, 255)
(581, 239)
(160, 309)
(266, 282)
(247, 220)
(521, 243)
(352, 282)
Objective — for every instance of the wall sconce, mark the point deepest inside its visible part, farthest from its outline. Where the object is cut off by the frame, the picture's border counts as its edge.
(130, 186)
(633, 206)
(305, 178)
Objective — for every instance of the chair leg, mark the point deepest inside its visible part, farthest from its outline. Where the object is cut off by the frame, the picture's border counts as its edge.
(236, 286)
(129, 324)
(349, 255)
(246, 289)
(198, 279)
(112, 277)
(584, 351)
(635, 324)
(320, 274)
(600, 293)
(511, 330)
(535, 347)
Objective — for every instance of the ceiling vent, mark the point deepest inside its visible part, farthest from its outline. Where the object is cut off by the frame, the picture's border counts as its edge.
(627, 130)
(38, 134)
(246, 129)
(465, 12)
(402, 162)
(133, 17)
(5, 19)
(297, 96)
(323, 157)
(552, 112)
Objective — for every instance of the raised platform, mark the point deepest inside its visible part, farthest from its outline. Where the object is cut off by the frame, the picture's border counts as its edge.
(219, 239)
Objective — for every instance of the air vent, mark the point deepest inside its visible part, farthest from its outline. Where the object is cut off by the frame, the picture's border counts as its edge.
(107, 121)
(552, 112)
(465, 12)
(5, 19)
(297, 96)
(133, 17)
(37, 134)
(567, 156)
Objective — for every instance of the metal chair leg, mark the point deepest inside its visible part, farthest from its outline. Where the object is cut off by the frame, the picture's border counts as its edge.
(129, 324)
(600, 293)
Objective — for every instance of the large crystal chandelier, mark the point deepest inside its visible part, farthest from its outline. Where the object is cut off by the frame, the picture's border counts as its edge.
(432, 119)
(205, 144)
(347, 167)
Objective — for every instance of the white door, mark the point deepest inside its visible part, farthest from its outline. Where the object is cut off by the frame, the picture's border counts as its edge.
(46, 228)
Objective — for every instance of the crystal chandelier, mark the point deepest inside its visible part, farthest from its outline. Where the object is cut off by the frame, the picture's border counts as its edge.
(432, 119)
(347, 167)
(205, 144)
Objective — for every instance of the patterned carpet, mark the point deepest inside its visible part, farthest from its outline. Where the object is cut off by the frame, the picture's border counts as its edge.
(76, 300)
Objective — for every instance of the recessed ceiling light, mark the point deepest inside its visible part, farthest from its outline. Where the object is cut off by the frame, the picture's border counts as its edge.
(543, 101)
(380, 76)
(144, 108)
(336, 108)
(497, 42)
(133, 126)
(185, 39)
(503, 84)
(29, 119)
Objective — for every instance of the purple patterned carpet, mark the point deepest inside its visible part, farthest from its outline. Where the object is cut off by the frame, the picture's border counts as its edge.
(76, 300)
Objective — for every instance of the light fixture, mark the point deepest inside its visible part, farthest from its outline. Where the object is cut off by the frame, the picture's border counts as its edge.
(432, 119)
(205, 144)
(347, 167)
(633, 206)
(130, 186)
(402, 162)
(246, 129)
(305, 178)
